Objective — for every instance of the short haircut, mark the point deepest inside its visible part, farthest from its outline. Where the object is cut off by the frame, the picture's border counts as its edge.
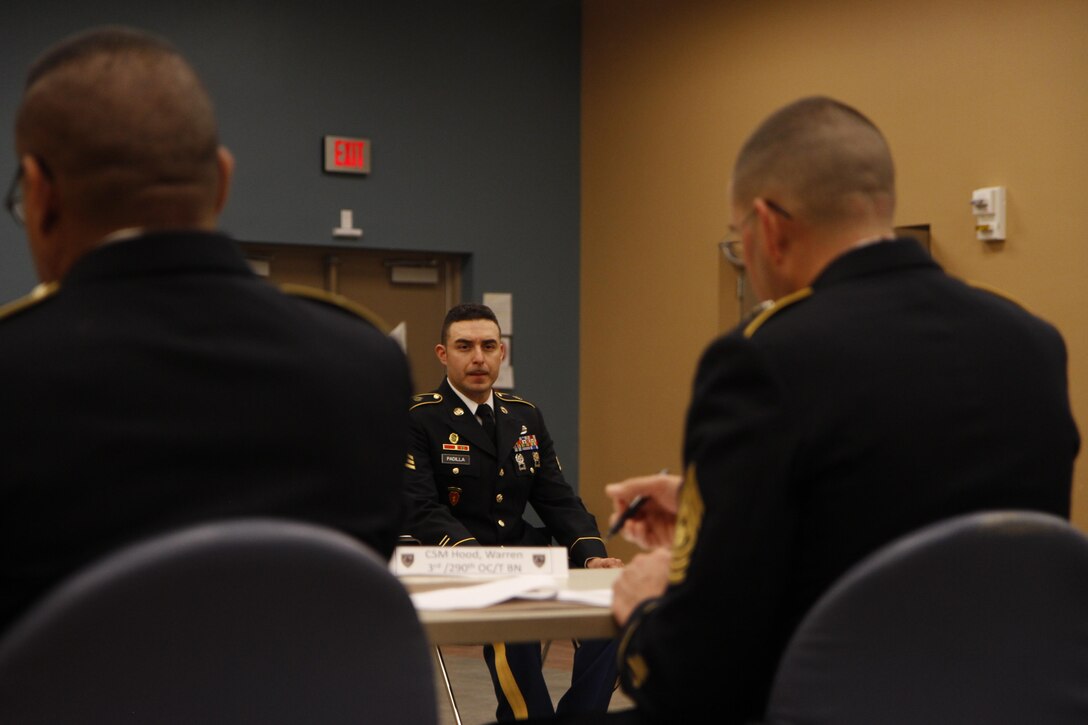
(820, 152)
(123, 117)
(110, 40)
(467, 311)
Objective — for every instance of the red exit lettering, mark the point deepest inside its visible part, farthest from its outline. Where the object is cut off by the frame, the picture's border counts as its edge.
(347, 155)
(351, 154)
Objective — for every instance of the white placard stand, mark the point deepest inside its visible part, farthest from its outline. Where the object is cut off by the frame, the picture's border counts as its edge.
(480, 562)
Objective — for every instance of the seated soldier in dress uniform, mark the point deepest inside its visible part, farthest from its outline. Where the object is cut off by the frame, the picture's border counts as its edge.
(476, 458)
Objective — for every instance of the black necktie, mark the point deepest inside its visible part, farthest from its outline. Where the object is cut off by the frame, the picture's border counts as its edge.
(487, 417)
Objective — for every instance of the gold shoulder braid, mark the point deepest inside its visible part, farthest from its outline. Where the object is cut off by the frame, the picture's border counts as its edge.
(774, 308)
(42, 292)
(329, 298)
(689, 517)
(508, 398)
(424, 399)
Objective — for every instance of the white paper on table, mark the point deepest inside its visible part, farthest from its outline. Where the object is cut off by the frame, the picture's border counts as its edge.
(593, 597)
(478, 596)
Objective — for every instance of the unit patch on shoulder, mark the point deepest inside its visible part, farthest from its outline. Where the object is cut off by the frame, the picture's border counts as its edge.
(40, 293)
(335, 300)
(774, 308)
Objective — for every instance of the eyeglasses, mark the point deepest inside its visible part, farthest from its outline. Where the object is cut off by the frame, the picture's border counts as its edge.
(732, 250)
(14, 199)
(732, 247)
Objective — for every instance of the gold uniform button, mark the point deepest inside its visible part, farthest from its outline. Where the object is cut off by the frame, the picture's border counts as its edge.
(502, 471)
(502, 523)
(456, 471)
(498, 499)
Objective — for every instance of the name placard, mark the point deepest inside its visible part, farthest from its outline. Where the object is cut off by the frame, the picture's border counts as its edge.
(479, 561)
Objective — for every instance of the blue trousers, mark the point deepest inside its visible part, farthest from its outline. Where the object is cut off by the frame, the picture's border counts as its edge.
(522, 692)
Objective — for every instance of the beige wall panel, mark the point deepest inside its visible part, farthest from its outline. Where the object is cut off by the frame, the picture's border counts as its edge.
(970, 93)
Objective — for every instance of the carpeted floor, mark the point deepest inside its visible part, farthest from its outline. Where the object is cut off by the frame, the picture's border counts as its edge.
(472, 685)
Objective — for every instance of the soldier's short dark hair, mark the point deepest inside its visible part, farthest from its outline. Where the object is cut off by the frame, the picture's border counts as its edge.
(821, 154)
(123, 117)
(467, 311)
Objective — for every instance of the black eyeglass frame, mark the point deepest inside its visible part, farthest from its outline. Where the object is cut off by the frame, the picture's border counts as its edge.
(13, 201)
(731, 245)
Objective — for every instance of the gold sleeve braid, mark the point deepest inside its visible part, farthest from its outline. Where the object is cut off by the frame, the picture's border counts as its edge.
(689, 517)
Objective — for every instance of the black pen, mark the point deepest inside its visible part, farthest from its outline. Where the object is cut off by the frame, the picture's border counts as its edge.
(632, 508)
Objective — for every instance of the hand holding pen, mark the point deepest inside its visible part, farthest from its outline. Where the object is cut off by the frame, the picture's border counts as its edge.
(632, 508)
(648, 513)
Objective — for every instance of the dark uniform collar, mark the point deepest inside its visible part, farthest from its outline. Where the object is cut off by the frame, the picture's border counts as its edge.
(876, 258)
(160, 253)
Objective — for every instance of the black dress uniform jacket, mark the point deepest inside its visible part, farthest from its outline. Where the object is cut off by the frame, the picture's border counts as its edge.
(163, 383)
(465, 489)
(885, 397)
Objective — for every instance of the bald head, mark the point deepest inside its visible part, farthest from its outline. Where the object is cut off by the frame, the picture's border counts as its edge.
(823, 159)
(119, 121)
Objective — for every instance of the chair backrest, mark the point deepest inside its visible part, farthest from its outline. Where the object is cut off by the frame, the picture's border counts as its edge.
(978, 619)
(243, 621)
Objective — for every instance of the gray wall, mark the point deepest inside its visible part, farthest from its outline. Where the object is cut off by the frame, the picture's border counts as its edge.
(473, 110)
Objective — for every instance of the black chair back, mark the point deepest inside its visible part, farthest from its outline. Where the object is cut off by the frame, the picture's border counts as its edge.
(250, 621)
(977, 619)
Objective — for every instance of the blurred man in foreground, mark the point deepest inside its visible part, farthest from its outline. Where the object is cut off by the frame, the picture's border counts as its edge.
(876, 395)
(152, 380)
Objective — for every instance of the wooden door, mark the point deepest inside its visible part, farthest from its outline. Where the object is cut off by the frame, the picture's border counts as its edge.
(411, 291)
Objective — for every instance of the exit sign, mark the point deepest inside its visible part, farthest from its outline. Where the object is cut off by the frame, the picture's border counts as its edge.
(345, 155)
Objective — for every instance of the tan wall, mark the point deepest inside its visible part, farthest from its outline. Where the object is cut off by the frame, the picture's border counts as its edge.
(969, 93)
